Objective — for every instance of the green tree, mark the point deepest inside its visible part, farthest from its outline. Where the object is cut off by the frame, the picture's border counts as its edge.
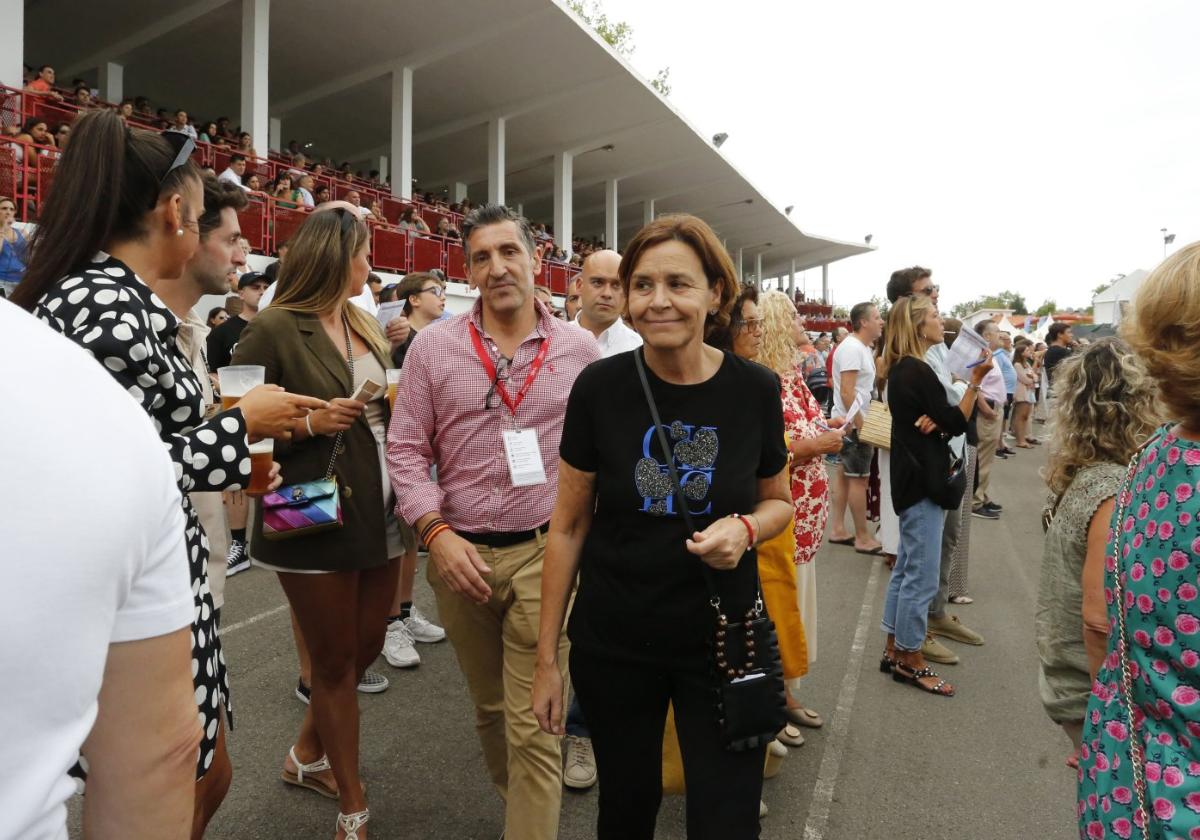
(618, 34)
(1049, 307)
(661, 82)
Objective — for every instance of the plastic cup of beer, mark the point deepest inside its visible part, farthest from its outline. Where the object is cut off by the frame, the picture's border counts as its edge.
(236, 380)
(393, 385)
(262, 455)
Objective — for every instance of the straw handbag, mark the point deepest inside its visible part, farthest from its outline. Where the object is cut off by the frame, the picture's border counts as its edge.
(877, 426)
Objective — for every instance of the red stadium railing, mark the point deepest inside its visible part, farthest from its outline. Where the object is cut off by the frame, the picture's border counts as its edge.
(27, 175)
(18, 105)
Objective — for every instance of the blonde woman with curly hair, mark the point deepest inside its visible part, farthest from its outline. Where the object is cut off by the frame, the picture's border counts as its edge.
(1140, 733)
(808, 441)
(1105, 408)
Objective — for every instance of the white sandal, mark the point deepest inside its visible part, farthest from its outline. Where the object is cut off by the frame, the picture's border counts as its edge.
(351, 823)
(314, 784)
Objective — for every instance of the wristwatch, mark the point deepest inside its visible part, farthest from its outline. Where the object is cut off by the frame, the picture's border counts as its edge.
(971, 386)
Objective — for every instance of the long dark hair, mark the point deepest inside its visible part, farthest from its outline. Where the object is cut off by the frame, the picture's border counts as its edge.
(109, 179)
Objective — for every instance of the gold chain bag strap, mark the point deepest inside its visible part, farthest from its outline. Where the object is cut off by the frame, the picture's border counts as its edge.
(1137, 753)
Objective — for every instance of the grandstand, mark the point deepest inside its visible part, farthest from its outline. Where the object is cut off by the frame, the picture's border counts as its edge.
(516, 102)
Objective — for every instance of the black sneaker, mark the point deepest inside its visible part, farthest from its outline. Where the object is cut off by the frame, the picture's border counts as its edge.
(995, 507)
(982, 512)
(1001, 455)
(238, 558)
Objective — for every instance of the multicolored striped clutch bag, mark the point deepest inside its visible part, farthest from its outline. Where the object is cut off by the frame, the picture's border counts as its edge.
(297, 510)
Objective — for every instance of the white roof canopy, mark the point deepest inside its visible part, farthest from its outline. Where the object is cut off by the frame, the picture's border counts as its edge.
(558, 87)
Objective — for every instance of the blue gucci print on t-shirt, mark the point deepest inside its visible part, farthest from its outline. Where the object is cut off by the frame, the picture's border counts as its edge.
(695, 452)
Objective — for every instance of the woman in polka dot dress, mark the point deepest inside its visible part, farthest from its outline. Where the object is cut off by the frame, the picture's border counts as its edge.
(1139, 764)
(124, 207)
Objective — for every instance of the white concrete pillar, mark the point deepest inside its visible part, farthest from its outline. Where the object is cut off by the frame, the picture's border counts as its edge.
(275, 130)
(520, 208)
(112, 81)
(792, 281)
(381, 164)
(758, 278)
(648, 211)
(458, 192)
(402, 126)
(496, 160)
(825, 284)
(255, 42)
(739, 264)
(12, 43)
(564, 177)
(610, 213)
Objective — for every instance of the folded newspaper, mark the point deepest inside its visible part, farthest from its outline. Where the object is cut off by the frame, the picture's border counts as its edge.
(966, 350)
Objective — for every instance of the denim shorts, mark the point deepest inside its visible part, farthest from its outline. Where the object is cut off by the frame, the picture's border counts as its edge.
(856, 456)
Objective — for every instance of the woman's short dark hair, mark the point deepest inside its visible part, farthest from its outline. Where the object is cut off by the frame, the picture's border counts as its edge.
(213, 313)
(695, 233)
(722, 337)
(30, 122)
(108, 180)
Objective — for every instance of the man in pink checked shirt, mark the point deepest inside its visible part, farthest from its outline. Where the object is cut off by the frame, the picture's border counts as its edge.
(482, 398)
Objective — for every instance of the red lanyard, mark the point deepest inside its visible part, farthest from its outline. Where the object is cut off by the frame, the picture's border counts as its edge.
(489, 367)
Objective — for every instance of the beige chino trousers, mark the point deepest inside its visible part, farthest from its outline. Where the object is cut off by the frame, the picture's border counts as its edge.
(496, 646)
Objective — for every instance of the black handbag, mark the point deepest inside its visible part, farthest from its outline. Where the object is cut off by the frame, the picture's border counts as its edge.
(747, 671)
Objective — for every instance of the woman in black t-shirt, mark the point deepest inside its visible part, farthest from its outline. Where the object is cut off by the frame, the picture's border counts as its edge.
(922, 423)
(642, 620)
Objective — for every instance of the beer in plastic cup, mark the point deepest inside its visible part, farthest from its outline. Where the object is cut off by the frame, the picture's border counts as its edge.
(236, 380)
(262, 455)
(393, 384)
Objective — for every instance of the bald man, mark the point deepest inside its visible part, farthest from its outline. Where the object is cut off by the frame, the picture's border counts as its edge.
(601, 302)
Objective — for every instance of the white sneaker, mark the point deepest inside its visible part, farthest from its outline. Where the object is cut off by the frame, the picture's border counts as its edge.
(398, 648)
(580, 772)
(422, 629)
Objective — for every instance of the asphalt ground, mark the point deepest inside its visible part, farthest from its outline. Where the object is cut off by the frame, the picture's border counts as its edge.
(890, 762)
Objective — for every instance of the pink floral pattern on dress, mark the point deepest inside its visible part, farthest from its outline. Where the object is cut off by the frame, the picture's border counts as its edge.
(810, 482)
(1161, 567)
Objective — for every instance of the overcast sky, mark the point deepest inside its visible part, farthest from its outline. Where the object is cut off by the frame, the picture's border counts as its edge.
(1032, 146)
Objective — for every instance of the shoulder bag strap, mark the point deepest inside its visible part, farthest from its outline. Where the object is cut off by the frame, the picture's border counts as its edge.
(337, 441)
(1137, 753)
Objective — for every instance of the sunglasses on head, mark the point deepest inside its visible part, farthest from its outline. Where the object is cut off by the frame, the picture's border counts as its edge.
(185, 147)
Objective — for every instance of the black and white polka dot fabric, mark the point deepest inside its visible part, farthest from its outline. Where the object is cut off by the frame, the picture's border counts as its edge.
(106, 309)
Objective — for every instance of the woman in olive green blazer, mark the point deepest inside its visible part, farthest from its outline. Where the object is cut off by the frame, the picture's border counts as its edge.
(305, 340)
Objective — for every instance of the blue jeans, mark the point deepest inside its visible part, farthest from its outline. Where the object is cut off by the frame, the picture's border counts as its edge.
(915, 577)
(576, 724)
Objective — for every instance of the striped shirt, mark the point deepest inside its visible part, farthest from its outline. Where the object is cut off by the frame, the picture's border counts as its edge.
(440, 420)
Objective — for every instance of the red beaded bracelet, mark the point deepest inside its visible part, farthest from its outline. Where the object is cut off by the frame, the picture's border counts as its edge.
(749, 527)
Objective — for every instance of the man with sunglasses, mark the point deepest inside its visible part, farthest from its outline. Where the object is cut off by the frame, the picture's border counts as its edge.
(483, 398)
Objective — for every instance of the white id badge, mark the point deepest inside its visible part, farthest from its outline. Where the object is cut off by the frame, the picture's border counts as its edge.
(524, 458)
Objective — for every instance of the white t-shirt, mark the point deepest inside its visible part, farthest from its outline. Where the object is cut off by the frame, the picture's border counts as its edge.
(92, 544)
(618, 338)
(852, 354)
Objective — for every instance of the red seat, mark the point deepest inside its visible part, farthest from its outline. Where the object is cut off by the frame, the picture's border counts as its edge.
(428, 253)
(389, 249)
(287, 221)
(45, 177)
(559, 278)
(456, 262)
(253, 221)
